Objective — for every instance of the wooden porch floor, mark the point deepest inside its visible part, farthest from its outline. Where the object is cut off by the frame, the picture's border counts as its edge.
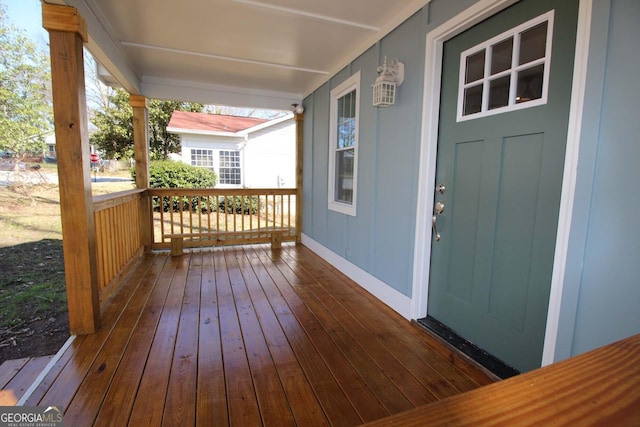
(248, 336)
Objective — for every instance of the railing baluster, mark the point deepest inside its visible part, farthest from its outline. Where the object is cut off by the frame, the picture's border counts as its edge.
(281, 207)
(289, 213)
(234, 215)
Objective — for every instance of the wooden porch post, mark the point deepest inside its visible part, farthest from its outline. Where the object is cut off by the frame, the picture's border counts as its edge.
(67, 34)
(299, 120)
(141, 148)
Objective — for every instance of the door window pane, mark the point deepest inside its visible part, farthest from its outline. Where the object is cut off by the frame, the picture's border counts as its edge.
(533, 43)
(499, 92)
(473, 100)
(475, 67)
(501, 56)
(530, 84)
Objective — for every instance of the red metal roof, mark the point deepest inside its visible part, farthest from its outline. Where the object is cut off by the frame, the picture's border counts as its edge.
(212, 122)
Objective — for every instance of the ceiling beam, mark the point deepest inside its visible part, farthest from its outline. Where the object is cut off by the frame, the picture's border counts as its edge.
(222, 57)
(298, 12)
(207, 93)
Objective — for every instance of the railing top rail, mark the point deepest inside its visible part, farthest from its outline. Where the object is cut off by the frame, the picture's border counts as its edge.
(106, 201)
(220, 191)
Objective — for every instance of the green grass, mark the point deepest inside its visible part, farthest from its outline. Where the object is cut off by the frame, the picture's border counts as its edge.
(32, 284)
(33, 298)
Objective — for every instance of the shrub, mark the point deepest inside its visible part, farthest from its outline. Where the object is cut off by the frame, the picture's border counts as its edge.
(238, 204)
(170, 174)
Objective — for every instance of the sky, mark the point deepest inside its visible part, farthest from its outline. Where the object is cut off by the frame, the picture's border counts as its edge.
(27, 14)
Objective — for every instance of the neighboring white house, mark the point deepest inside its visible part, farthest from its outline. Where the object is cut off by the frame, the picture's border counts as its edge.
(244, 152)
(50, 152)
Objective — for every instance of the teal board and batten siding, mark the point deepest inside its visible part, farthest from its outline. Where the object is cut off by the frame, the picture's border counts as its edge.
(601, 283)
(380, 239)
(601, 294)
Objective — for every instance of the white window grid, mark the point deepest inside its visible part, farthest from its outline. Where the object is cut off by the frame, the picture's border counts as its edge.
(512, 71)
(346, 146)
(230, 169)
(202, 157)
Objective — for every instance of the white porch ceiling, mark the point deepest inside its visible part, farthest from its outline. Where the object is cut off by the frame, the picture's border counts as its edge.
(258, 53)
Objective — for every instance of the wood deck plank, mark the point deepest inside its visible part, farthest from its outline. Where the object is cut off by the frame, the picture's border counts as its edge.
(155, 378)
(22, 372)
(272, 400)
(361, 396)
(373, 374)
(85, 348)
(401, 338)
(304, 405)
(85, 407)
(384, 334)
(10, 368)
(331, 396)
(180, 406)
(119, 400)
(245, 336)
(334, 313)
(241, 397)
(211, 392)
(53, 374)
(412, 391)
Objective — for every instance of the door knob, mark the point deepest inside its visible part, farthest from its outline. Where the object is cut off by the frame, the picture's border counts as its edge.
(438, 208)
(437, 211)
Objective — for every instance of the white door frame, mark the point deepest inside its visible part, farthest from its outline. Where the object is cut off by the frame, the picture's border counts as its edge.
(429, 144)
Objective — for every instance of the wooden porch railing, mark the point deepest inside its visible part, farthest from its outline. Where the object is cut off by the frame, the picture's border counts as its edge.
(210, 217)
(117, 221)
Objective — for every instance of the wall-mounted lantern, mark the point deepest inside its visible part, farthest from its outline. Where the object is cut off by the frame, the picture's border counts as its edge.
(390, 76)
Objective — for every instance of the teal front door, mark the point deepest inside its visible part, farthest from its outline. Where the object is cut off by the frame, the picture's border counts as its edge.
(504, 110)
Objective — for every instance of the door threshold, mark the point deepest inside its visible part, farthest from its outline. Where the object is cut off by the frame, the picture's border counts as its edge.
(478, 355)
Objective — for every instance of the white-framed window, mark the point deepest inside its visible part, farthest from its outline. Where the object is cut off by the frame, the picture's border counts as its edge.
(226, 163)
(343, 146)
(508, 72)
(230, 171)
(203, 158)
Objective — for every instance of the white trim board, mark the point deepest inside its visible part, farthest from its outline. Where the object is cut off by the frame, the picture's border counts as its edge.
(385, 293)
(429, 142)
(27, 394)
(569, 179)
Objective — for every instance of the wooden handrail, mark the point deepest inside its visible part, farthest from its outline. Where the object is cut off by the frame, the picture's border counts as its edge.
(106, 201)
(220, 191)
(601, 387)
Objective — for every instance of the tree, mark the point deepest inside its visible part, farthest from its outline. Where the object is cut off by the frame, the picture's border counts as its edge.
(97, 93)
(243, 112)
(114, 136)
(161, 142)
(115, 127)
(25, 96)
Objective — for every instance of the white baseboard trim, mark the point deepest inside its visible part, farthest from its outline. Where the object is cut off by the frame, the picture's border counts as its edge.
(385, 293)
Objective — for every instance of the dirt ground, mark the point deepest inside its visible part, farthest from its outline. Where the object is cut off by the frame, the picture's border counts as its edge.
(33, 311)
(33, 308)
